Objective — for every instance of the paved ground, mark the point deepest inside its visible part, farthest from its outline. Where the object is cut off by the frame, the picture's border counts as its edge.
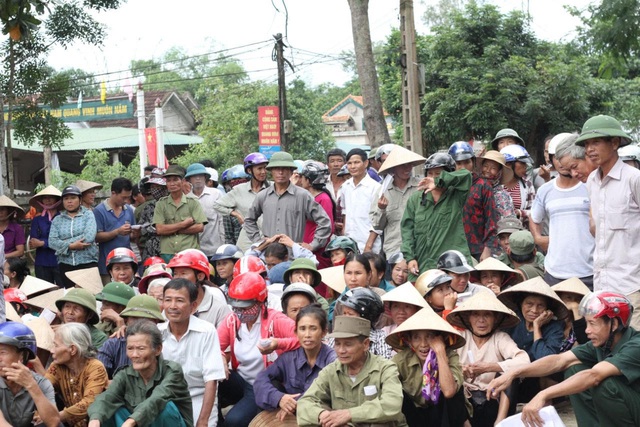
(566, 413)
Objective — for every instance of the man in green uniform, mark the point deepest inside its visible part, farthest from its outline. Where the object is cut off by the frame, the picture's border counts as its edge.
(432, 221)
(178, 219)
(602, 375)
(358, 388)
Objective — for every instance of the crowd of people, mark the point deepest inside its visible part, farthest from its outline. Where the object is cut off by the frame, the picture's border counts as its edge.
(338, 292)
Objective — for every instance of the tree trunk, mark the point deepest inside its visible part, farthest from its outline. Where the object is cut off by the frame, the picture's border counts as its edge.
(3, 157)
(374, 122)
(11, 101)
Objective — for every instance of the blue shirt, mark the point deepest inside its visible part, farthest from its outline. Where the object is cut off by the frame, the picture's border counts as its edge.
(106, 220)
(40, 227)
(552, 337)
(291, 370)
(113, 355)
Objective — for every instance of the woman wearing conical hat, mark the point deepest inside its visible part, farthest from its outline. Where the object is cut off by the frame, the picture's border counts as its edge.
(571, 292)
(47, 202)
(495, 275)
(487, 351)
(12, 232)
(430, 370)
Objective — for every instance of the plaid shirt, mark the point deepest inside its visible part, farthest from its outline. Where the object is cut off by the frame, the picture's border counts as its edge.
(232, 229)
(480, 215)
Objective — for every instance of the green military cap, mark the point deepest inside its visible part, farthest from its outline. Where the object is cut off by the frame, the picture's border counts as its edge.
(117, 293)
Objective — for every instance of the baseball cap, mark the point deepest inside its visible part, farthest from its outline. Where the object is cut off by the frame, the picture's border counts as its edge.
(521, 242)
(509, 225)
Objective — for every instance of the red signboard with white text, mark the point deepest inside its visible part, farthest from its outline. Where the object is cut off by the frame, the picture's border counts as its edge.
(269, 129)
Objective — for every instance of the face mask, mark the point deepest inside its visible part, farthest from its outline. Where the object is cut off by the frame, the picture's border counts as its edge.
(248, 315)
(159, 192)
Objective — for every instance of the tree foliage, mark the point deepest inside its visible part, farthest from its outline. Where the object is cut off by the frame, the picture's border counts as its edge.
(96, 167)
(229, 123)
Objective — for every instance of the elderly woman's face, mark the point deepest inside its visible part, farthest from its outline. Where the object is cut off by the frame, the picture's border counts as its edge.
(482, 322)
(401, 311)
(61, 353)
(144, 358)
(532, 307)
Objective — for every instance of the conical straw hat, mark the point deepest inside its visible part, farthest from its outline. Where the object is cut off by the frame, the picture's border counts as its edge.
(425, 320)
(492, 264)
(483, 301)
(401, 156)
(87, 278)
(11, 313)
(47, 300)
(87, 185)
(5, 201)
(32, 286)
(43, 332)
(513, 296)
(333, 277)
(406, 293)
(498, 157)
(49, 190)
(572, 285)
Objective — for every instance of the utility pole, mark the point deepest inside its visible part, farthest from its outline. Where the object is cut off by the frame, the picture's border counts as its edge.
(410, 81)
(282, 89)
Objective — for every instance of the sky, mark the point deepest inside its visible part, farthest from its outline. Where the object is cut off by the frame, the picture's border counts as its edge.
(316, 33)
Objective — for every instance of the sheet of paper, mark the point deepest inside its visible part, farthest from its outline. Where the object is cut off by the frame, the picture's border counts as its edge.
(548, 414)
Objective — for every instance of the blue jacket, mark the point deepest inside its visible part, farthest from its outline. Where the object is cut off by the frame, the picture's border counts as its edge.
(40, 228)
(65, 230)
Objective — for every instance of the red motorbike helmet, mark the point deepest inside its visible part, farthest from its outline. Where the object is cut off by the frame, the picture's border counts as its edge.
(191, 258)
(122, 255)
(249, 263)
(609, 304)
(247, 289)
(153, 260)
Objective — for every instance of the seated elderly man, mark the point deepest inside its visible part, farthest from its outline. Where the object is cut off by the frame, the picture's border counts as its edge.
(358, 388)
(22, 392)
(602, 375)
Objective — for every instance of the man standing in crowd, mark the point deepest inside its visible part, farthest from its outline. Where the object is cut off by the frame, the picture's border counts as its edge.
(178, 219)
(288, 207)
(114, 218)
(563, 203)
(386, 211)
(358, 192)
(194, 344)
(336, 158)
(614, 190)
(213, 234)
(237, 202)
(573, 159)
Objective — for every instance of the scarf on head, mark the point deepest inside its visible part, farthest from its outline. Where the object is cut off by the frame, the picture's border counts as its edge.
(49, 210)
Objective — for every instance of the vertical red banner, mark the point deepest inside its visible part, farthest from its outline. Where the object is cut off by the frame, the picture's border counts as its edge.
(151, 139)
(269, 129)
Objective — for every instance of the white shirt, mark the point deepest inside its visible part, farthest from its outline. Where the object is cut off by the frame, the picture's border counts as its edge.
(213, 234)
(355, 202)
(198, 352)
(246, 351)
(615, 209)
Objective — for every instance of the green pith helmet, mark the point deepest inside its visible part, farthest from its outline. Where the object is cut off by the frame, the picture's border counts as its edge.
(342, 242)
(281, 159)
(506, 133)
(143, 306)
(602, 126)
(82, 298)
(303, 264)
(117, 293)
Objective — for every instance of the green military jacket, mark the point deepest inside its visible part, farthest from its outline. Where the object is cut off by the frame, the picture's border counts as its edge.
(428, 229)
(97, 336)
(145, 401)
(374, 397)
(167, 212)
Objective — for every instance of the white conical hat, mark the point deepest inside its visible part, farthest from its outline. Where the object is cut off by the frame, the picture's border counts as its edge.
(11, 313)
(492, 264)
(484, 301)
(333, 277)
(401, 156)
(32, 286)
(43, 332)
(87, 278)
(406, 293)
(425, 320)
(49, 190)
(5, 201)
(513, 296)
(84, 185)
(572, 285)
(47, 300)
